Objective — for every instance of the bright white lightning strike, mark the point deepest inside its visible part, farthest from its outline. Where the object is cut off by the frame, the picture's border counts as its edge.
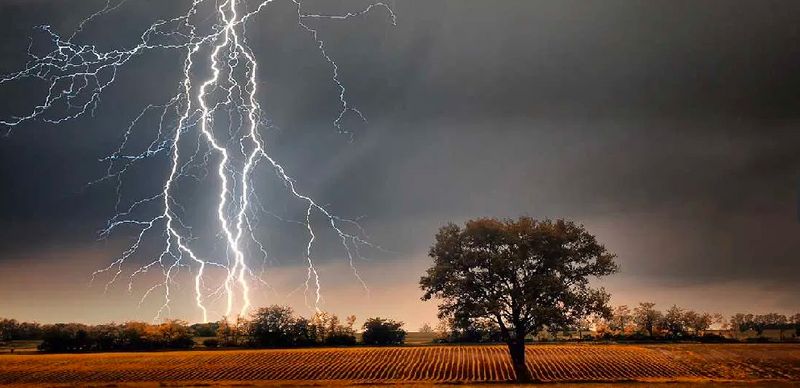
(78, 74)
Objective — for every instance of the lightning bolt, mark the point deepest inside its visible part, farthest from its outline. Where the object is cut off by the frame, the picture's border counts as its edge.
(189, 135)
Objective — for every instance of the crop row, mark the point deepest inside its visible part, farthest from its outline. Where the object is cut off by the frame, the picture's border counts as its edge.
(402, 364)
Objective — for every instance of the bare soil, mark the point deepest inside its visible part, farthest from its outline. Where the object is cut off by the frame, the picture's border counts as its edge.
(733, 364)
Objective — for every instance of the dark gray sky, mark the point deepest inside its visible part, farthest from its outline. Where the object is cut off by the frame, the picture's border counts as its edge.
(669, 128)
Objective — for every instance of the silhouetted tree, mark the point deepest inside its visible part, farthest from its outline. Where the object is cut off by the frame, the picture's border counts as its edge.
(65, 337)
(782, 322)
(770, 321)
(646, 317)
(301, 332)
(233, 333)
(339, 334)
(9, 329)
(740, 323)
(524, 274)
(758, 324)
(106, 337)
(674, 322)
(272, 326)
(795, 320)
(697, 322)
(379, 331)
(324, 328)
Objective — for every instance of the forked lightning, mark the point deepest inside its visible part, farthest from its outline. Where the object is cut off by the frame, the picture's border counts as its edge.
(212, 124)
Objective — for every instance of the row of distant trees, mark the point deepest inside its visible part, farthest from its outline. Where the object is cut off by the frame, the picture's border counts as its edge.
(78, 337)
(759, 323)
(273, 326)
(679, 323)
(278, 326)
(643, 322)
(646, 320)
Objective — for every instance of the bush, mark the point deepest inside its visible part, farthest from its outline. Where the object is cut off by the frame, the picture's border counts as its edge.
(379, 331)
(341, 339)
(211, 343)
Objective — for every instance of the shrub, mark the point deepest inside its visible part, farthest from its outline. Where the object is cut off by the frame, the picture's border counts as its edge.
(379, 331)
(211, 343)
(341, 339)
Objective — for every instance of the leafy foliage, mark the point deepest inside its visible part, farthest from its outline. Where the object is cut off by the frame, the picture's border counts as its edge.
(76, 337)
(647, 318)
(379, 331)
(524, 274)
(277, 326)
(274, 326)
(11, 329)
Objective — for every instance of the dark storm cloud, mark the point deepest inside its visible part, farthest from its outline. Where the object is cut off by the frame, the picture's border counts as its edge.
(670, 127)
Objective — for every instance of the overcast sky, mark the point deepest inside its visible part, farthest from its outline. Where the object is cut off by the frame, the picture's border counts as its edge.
(668, 128)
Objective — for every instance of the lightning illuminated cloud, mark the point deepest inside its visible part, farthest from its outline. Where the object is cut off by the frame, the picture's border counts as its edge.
(211, 127)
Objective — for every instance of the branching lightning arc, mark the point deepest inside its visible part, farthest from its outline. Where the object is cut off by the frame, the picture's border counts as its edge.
(77, 75)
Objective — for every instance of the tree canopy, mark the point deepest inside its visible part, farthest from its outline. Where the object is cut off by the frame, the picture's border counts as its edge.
(524, 274)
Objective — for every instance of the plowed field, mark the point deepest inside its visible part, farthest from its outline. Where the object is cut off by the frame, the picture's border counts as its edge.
(424, 364)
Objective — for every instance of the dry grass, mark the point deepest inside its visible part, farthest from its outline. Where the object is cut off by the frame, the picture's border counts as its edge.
(425, 364)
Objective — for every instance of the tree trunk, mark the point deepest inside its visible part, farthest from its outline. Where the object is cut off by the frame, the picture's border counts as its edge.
(516, 348)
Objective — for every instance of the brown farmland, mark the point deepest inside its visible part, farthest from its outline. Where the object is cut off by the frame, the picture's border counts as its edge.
(423, 364)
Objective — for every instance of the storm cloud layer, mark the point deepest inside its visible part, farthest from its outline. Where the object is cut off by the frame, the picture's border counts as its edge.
(669, 128)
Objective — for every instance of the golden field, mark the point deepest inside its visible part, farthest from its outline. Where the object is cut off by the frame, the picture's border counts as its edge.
(421, 364)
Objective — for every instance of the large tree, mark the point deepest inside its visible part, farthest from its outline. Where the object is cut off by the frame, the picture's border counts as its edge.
(647, 317)
(524, 274)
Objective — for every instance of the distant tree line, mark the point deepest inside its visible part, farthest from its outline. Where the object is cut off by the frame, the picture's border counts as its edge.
(278, 326)
(741, 323)
(272, 327)
(78, 337)
(642, 323)
(11, 329)
(677, 323)
(646, 322)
